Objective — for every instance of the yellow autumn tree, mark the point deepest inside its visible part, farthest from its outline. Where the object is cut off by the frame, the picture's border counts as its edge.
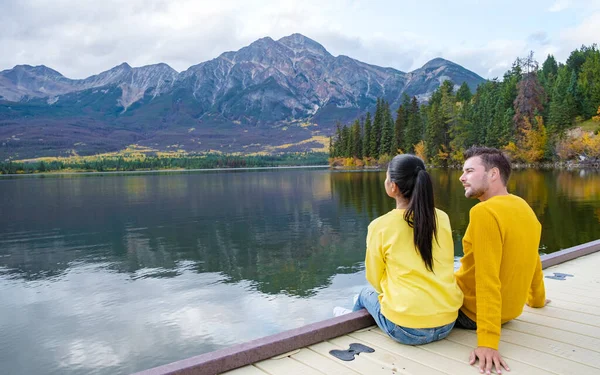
(443, 154)
(532, 143)
(421, 150)
(597, 117)
(458, 156)
(535, 141)
(586, 144)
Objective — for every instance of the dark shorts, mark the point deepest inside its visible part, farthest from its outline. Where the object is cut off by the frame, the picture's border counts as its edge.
(464, 321)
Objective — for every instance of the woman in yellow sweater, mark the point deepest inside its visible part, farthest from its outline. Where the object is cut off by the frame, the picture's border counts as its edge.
(409, 263)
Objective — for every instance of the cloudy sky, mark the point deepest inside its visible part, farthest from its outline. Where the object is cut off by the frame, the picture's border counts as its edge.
(84, 37)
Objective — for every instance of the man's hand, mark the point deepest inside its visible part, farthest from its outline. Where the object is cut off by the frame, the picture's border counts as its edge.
(545, 303)
(488, 358)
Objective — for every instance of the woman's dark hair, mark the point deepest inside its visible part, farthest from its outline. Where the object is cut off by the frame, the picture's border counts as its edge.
(409, 174)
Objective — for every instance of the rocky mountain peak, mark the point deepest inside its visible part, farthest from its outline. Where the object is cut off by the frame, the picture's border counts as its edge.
(437, 63)
(39, 70)
(300, 43)
(266, 88)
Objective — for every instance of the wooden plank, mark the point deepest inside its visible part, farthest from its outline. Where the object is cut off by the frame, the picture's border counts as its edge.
(461, 352)
(523, 354)
(285, 366)
(360, 364)
(567, 351)
(586, 262)
(326, 365)
(382, 356)
(583, 272)
(574, 289)
(573, 306)
(565, 295)
(246, 370)
(565, 325)
(415, 353)
(579, 282)
(573, 316)
(555, 334)
(565, 255)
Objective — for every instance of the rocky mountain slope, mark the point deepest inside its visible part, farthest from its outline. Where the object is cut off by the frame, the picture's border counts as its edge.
(270, 93)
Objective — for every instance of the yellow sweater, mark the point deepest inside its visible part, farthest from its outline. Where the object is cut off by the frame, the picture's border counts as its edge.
(501, 268)
(409, 294)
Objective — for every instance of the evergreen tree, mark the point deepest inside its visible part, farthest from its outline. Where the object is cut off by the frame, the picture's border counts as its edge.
(367, 136)
(461, 133)
(578, 57)
(337, 143)
(387, 130)
(346, 142)
(375, 143)
(356, 140)
(547, 75)
(464, 93)
(589, 83)
(497, 134)
(561, 110)
(448, 107)
(434, 133)
(399, 127)
(414, 131)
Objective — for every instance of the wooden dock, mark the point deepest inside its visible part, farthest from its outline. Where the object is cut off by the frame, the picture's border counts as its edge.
(561, 338)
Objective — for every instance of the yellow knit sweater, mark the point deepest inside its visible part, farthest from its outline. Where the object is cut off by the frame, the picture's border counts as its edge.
(501, 268)
(409, 294)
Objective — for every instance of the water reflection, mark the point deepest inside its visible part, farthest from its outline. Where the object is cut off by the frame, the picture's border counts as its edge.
(114, 274)
(280, 230)
(284, 231)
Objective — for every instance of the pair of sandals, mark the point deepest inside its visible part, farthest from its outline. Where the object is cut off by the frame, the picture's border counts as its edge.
(348, 355)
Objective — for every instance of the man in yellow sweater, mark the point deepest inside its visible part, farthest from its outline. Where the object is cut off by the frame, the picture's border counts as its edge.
(501, 268)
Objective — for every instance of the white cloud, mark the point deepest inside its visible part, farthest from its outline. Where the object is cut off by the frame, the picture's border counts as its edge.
(587, 32)
(81, 38)
(559, 5)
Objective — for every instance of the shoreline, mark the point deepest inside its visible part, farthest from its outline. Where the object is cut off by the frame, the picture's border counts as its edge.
(519, 166)
(516, 166)
(159, 171)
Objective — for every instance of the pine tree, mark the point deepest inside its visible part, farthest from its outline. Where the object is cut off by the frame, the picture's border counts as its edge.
(560, 112)
(399, 127)
(589, 83)
(346, 142)
(464, 93)
(434, 132)
(356, 140)
(375, 143)
(337, 142)
(414, 131)
(367, 136)
(460, 134)
(448, 107)
(497, 134)
(387, 130)
(547, 75)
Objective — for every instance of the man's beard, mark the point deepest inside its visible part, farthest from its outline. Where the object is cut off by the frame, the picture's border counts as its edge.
(471, 193)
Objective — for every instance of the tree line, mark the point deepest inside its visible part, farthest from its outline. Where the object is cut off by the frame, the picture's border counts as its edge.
(143, 162)
(530, 113)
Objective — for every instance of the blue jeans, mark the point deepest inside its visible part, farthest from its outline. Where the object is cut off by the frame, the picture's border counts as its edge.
(368, 299)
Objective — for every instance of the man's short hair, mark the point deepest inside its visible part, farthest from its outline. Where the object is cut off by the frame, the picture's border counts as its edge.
(491, 157)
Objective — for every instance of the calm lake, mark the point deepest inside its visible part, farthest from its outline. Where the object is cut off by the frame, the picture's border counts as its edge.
(111, 274)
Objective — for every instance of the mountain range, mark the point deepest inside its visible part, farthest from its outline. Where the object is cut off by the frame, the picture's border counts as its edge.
(272, 95)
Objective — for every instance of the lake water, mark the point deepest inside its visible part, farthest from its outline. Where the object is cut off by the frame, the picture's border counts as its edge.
(111, 274)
